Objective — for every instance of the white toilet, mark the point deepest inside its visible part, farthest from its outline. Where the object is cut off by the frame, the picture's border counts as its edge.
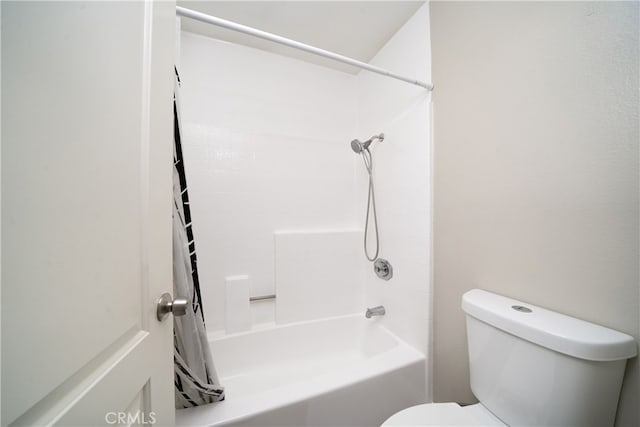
(532, 367)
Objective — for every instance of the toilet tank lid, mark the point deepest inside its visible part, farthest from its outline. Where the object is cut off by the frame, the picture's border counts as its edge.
(547, 328)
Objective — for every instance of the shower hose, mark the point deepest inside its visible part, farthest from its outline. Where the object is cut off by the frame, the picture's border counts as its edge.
(367, 158)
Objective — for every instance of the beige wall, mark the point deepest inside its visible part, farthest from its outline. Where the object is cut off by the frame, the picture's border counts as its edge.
(536, 169)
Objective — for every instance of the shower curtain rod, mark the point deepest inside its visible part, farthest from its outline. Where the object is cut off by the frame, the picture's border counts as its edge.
(199, 16)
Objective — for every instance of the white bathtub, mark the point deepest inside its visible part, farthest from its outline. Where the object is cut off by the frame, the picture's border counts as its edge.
(342, 371)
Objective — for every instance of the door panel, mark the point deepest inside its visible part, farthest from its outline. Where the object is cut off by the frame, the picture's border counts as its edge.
(86, 209)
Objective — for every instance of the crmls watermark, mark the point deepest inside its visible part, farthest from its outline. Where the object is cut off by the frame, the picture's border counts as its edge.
(125, 418)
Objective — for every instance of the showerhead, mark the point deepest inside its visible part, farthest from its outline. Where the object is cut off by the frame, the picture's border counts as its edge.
(358, 146)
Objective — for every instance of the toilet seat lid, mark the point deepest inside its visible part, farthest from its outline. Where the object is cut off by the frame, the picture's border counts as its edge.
(444, 414)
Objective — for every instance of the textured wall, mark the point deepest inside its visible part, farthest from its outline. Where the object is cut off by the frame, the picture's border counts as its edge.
(536, 168)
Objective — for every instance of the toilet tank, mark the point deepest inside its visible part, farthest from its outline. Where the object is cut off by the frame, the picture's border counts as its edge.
(534, 367)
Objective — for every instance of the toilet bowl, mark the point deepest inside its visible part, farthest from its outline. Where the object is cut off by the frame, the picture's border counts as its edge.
(532, 366)
(444, 414)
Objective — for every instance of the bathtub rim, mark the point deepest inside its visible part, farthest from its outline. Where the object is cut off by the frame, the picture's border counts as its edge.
(401, 356)
(264, 327)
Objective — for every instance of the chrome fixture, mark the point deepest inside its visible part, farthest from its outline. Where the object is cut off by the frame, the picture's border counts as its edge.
(358, 146)
(262, 297)
(383, 269)
(362, 148)
(375, 311)
(166, 304)
(521, 308)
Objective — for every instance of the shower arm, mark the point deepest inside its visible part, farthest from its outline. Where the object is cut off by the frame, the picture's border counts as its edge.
(374, 137)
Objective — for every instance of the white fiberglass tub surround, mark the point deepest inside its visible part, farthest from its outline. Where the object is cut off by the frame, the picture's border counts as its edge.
(344, 370)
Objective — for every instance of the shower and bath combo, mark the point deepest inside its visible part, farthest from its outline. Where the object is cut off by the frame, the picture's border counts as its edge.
(381, 266)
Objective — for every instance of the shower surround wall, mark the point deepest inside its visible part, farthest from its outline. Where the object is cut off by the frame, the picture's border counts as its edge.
(267, 151)
(402, 170)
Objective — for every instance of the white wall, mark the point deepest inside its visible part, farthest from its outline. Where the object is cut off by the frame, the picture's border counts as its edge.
(266, 145)
(536, 168)
(402, 172)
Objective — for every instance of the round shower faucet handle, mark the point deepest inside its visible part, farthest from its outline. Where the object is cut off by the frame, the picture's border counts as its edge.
(383, 269)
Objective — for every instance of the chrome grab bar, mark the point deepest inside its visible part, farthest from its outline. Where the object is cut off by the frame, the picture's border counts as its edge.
(262, 297)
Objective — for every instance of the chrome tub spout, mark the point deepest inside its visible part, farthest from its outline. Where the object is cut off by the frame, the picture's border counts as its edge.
(375, 311)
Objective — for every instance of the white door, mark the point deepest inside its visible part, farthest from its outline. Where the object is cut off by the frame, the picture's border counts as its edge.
(87, 128)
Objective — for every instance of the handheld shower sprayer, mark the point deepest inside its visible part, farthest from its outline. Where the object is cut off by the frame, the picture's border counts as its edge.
(362, 148)
(358, 146)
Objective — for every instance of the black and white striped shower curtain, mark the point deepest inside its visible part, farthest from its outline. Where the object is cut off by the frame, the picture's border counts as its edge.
(196, 381)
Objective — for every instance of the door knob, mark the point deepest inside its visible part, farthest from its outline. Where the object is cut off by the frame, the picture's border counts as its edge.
(166, 305)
